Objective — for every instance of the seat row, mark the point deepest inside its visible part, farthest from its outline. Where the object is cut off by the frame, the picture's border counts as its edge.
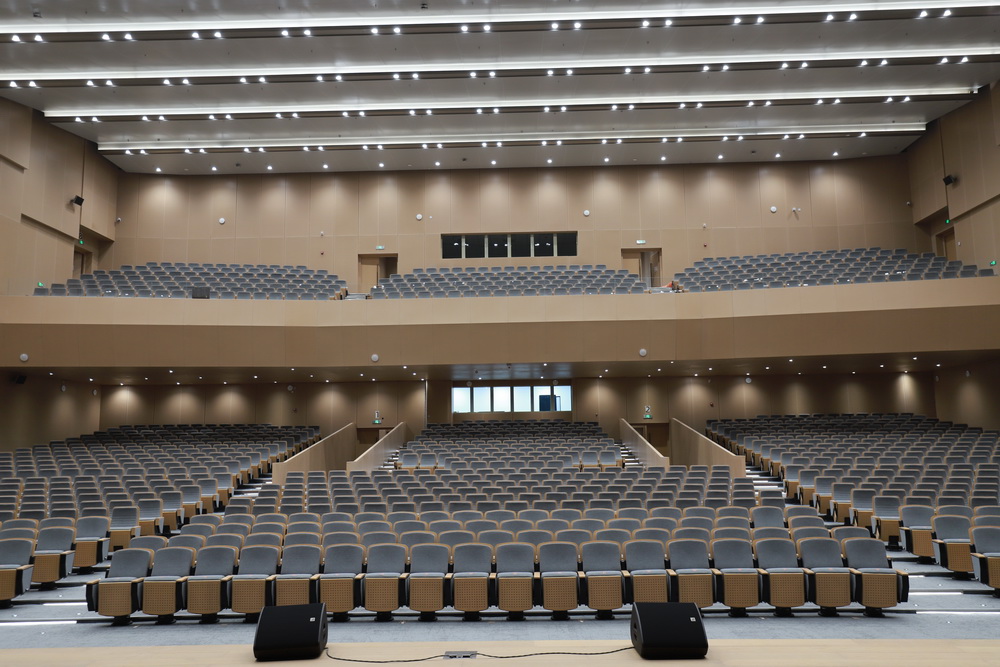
(513, 577)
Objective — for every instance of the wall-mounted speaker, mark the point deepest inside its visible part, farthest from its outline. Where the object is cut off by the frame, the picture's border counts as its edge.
(201, 292)
(291, 632)
(668, 631)
(78, 200)
(949, 179)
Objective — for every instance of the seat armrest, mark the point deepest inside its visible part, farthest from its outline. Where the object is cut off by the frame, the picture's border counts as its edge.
(808, 571)
(854, 571)
(671, 573)
(716, 572)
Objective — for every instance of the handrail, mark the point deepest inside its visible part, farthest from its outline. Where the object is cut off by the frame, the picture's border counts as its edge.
(375, 456)
(688, 447)
(640, 447)
(330, 453)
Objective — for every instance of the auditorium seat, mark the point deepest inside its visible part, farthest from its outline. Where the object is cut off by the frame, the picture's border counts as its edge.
(692, 578)
(15, 568)
(383, 583)
(207, 590)
(425, 583)
(163, 590)
(515, 576)
(471, 579)
(53, 555)
(118, 594)
(738, 585)
(876, 584)
(952, 542)
(831, 584)
(340, 581)
(785, 582)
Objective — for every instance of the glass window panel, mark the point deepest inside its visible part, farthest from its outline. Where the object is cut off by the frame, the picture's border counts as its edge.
(563, 397)
(461, 399)
(501, 399)
(520, 245)
(522, 399)
(497, 245)
(475, 245)
(543, 398)
(566, 244)
(544, 245)
(481, 399)
(451, 246)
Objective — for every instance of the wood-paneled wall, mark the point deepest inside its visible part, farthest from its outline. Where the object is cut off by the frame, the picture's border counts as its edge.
(969, 394)
(327, 405)
(691, 211)
(964, 144)
(39, 411)
(696, 400)
(41, 169)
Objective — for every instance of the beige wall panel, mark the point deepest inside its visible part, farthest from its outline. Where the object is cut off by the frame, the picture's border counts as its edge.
(11, 190)
(848, 192)
(55, 176)
(249, 215)
(411, 190)
(298, 199)
(176, 209)
(100, 190)
(200, 218)
(368, 201)
(439, 401)
(273, 201)
(823, 196)
(495, 203)
(969, 394)
(37, 411)
(971, 154)
(925, 166)
(15, 133)
(347, 211)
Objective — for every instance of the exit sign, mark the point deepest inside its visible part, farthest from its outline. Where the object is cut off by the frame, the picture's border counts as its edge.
(376, 421)
(647, 416)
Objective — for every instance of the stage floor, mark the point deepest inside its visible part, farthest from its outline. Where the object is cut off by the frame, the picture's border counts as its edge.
(721, 653)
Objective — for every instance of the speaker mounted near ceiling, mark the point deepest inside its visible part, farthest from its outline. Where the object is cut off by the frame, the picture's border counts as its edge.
(78, 200)
(950, 179)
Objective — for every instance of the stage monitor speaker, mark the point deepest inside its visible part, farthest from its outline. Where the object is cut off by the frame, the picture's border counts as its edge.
(291, 632)
(668, 630)
(201, 292)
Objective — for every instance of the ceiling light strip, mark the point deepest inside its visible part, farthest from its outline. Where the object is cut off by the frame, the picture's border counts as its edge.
(618, 66)
(911, 129)
(686, 104)
(588, 19)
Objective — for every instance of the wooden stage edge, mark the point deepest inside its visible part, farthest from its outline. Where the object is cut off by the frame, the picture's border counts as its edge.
(722, 652)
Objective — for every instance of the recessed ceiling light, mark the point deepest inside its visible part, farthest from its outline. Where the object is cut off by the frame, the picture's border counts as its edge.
(668, 22)
(437, 164)
(374, 31)
(784, 66)
(946, 13)
(852, 17)
(549, 161)
(777, 155)
(284, 33)
(217, 34)
(269, 167)
(577, 25)
(555, 26)
(326, 166)
(493, 162)
(106, 37)
(214, 168)
(607, 159)
(396, 30)
(645, 24)
(158, 170)
(487, 27)
(721, 156)
(381, 165)
(836, 153)
(737, 20)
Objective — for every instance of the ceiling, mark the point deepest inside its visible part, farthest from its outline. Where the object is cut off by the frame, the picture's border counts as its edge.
(258, 86)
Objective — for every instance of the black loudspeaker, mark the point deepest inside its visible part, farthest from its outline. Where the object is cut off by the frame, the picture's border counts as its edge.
(292, 632)
(200, 292)
(19, 379)
(949, 179)
(78, 200)
(668, 630)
